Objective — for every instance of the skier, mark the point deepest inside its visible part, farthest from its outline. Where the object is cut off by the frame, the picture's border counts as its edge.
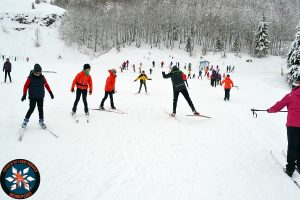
(185, 79)
(150, 70)
(133, 67)
(83, 82)
(227, 86)
(200, 73)
(36, 83)
(292, 102)
(153, 63)
(127, 64)
(162, 64)
(109, 89)
(7, 69)
(213, 79)
(142, 77)
(179, 87)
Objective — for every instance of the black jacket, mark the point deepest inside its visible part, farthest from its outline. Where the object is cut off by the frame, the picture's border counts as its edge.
(176, 78)
(7, 66)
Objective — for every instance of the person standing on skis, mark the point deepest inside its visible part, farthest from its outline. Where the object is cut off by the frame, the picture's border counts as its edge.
(292, 102)
(109, 89)
(83, 82)
(228, 84)
(142, 77)
(36, 84)
(178, 87)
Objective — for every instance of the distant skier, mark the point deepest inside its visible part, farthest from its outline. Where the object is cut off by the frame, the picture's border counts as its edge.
(142, 77)
(109, 89)
(292, 102)
(153, 63)
(162, 64)
(7, 69)
(150, 70)
(200, 74)
(227, 86)
(179, 87)
(83, 82)
(133, 67)
(36, 83)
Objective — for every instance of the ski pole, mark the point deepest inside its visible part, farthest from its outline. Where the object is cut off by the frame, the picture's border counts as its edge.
(256, 110)
(237, 87)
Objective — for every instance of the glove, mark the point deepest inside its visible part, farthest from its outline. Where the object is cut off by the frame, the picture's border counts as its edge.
(268, 111)
(23, 97)
(51, 94)
(90, 92)
(72, 90)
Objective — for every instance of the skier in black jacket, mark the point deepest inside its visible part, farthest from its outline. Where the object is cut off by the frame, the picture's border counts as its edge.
(7, 69)
(178, 87)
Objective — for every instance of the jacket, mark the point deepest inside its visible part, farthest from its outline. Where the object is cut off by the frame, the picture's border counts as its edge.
(228, 83)
(82, 81)
(176, 78)
(36, 86)
(142, 78)
(292, 102)
(7, 66)
(110, 82)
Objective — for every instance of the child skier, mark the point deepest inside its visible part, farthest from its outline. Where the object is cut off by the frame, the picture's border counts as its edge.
(83, 82)
(36, 83)
(142, 77)
(109, 89)
(227, 86)
(178, 87)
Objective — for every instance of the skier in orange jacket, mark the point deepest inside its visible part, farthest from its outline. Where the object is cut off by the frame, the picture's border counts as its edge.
(228, 84)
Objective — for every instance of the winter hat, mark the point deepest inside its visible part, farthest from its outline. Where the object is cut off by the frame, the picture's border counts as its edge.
(228, 75)
(175, 67)
(86, 66)
(113, 71)
(37, 68)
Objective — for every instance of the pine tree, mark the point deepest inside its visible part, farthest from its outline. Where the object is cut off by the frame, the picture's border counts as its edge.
(219, 45)
(261, 40)
(188, 46)
(293, 61)
(236, 47)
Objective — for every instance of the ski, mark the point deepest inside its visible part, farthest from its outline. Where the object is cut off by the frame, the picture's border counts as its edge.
(22, 134)
(75, 118)
(199, 116)
(113, 111)
(51, 132)
(278, 162)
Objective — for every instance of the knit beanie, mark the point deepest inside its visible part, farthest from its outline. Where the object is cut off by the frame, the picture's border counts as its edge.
(86, 66)
(37, 68)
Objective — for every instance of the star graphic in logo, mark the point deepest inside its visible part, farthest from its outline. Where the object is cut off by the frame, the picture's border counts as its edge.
(18, 178)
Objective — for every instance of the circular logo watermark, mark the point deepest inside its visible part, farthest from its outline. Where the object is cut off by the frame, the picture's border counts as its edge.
(20, 179)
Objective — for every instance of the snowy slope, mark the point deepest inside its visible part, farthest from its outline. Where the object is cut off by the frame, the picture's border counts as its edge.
(145, 154)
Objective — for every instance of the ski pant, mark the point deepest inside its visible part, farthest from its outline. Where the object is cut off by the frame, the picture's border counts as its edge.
(111, 99)
(7, 73)
(293, 151)
(227, 94)
(141, 84)
(186, 95)
(80, 92)
(32, 103)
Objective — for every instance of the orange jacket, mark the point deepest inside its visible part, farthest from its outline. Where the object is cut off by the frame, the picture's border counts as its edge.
(110, 82)
(82, 81)
(228, 83)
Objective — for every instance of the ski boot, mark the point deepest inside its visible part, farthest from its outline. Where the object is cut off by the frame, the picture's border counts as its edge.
(42, 124)
(87, 113)
(289, 173)
(173, 114)
(101, 108)
(73, 113)
(113, 108)
(25, 122)
(196, 113)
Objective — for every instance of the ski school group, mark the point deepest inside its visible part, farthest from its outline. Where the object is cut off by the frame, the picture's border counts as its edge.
(36, 83)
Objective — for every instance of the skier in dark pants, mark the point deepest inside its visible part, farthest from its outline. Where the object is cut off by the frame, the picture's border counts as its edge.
(36, 84)
(83, 82)
(178, 87)
(228, 84)
(292, 102)
(142, 77)
(109, 89)
(7, 69)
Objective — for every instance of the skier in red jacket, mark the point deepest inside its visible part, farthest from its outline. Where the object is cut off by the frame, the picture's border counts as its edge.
(109, 89)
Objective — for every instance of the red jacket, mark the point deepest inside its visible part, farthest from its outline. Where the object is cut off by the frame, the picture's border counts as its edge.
(292, 102)
(82, 81)
(110, 82)
(228, 83)
(184, 76)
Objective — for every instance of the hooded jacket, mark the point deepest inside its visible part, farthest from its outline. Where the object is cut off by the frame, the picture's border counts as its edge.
(292, 102)
(176, 78)
(110, 82)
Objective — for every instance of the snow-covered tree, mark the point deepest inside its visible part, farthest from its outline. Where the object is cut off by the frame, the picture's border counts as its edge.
(293, 61)
(219, 45)
(236, 46)
(37, 37)
(261, 40)
(188, 46)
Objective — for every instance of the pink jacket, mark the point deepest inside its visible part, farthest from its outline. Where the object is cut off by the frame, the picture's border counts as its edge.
(292, 102)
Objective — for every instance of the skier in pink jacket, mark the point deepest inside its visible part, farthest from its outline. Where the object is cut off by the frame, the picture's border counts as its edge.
(292, 102)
